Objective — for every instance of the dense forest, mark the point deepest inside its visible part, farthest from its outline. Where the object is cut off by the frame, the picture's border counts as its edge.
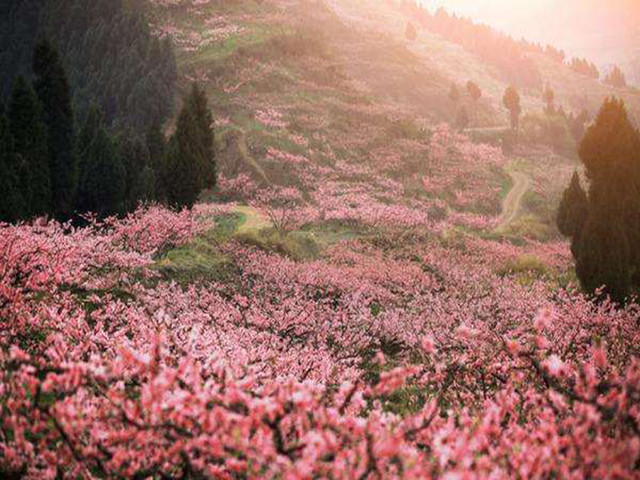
(510, 56)
(87, 92)
(109, 54)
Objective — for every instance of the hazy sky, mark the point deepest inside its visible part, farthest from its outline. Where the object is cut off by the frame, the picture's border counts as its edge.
(604, 30)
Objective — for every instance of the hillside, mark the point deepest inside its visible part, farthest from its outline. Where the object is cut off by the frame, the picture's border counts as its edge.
(368, 292)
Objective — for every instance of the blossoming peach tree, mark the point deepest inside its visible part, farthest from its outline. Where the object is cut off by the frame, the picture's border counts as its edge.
(364, 363)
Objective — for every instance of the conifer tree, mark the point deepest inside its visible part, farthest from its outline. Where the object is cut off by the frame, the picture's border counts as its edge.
(182, 169)
(606, 248)
(30, 145)
(135, 158)
(549, 97)
(410, 32)
(102, 186)
(474, 91)
(616, 78)
(603, 252)
(454, 93)
(573, 210)
(511, 101)
(201, 131)
(52, 88)
(462, 119)
(11, 201)
(157, 148)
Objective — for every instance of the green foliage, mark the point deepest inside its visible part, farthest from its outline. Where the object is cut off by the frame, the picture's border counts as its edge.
(190, 163)
(157, 148)
(107, 49)
(182, 166)
(474, 91)
(603, 254)
(410, 32)
(551, 129)
(454, 93)
(616, 78)
(202, 259)
(140, 178)
(525, 265)
(11, 202)
(609, 148)
(53, 92)
(462, 119)
(573, 210)
(19, 20)
(103, 178)
(511, 101)
(30, 146)
(298, 246)
(606, 247)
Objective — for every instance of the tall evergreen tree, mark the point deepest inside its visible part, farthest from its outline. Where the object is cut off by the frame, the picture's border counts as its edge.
(603, 252)
(182, 169)
(52, 88)
(511, 101)
(454, 93)
(201, 130)
(573, 210)
(157, 148)
(190, 164)
(102, 185)
(11, 201)
(607, 248)
(474, 90)
(135, 158)
(30, 143)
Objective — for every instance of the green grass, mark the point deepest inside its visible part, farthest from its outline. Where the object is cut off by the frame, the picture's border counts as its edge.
(298, 246)
(217, 52)
(201, 260)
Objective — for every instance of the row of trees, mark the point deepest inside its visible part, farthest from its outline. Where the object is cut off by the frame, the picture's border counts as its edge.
(107, 49)
(584, 67)
(508, 55)
(474, 92)
(47, 167)
(616, 77)
(603, 223)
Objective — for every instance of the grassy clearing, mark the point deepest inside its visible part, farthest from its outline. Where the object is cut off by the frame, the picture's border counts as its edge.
(298, 246)
(201, 260)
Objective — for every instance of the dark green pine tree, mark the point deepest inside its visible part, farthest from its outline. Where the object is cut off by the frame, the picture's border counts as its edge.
(30, 143)
(602, 251)
(157, 148)
(52, 88)
(181, 171)
(573, 210)
(102, 187)
(606, 249)
(11, 201)
(197, 105)
(190, 164)
(135, 158)
(608, 147)
(86, 137)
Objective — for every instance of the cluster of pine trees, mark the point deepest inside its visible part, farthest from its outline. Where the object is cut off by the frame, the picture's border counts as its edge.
(508, 55)
(604, 223)
(584, 67)
(48, 167)
(107, 49)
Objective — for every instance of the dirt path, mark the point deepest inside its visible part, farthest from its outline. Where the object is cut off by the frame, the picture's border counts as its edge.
(253, 219)
(513, 200)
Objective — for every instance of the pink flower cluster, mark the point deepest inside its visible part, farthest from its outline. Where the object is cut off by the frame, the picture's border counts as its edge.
(369, 362)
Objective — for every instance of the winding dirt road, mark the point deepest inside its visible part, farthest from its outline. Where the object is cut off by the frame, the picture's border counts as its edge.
(513, 200)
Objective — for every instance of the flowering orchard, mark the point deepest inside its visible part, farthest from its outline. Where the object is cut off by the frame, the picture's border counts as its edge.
(376, 360)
